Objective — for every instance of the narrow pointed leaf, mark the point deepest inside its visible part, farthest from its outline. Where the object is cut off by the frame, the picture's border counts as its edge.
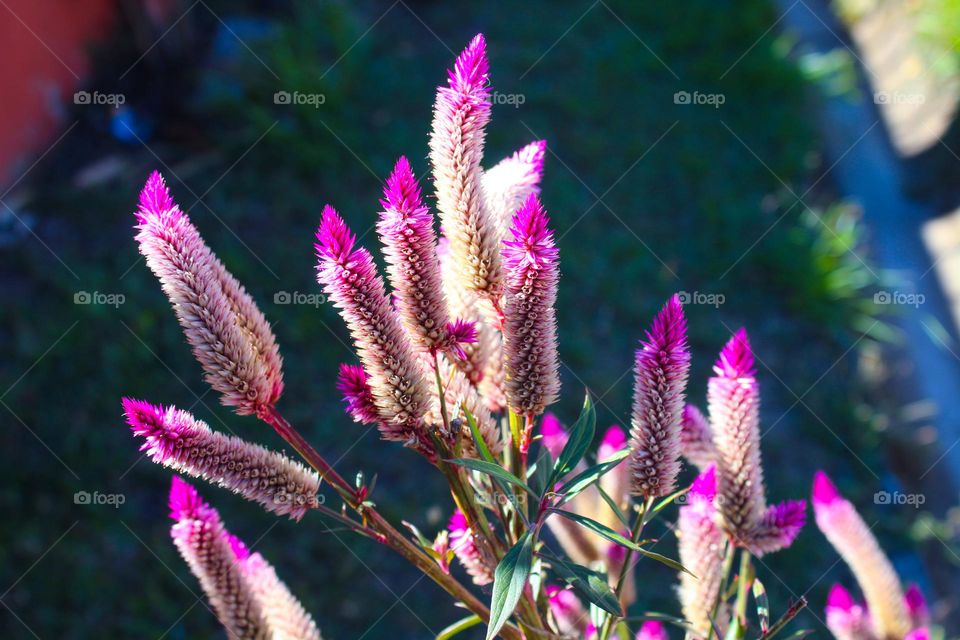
(591, 585)
(477, 438)
(581, 436)
(492, 469)
(509, 580)
(586, 478)
(621, 516)
(459, 626)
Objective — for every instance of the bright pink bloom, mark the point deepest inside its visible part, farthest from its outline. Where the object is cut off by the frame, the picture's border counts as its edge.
(177, 440)
(353, 383)
(616, 482)
(779, 527)
(229, 335)
(660, 380)
(569, 614)
(851, 537)
(509, 183)
(917, 606)
(652, 630)
(530, 326)
(847, 619)
(460, 115)
(396, 379)
(464, 545)
(696, 438)
(553, 436)
(285, 616)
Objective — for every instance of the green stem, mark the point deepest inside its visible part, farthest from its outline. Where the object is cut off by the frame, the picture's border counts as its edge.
(635, 533)
(724, 585)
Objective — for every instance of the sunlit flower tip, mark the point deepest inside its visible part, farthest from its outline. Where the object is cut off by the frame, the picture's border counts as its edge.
(334, 239)
(459, 333)
(614, 439)
(661, 368)
(567, 610)
(917, 606)
(284, 615)
(652, 630)
(696, 438)
(852, 538)
(531, 362)
(510, 182)
(553, 436)
(353, 383)
(779, 527)
(464, 546)
(185, 503)
(177, 440)
(846, 619)
(703, 490)
(229, 336)
(471, 71)
(736, 358)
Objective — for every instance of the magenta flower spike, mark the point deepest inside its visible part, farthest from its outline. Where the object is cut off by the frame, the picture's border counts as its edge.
(460, 115)
(569, 615)
(701, 546)
(230, 337)
(851, 537)
(846, 618)
(917, 606)
(552, 434)
(410, 248)
(177, 440)
(464, 546)
(509, 183)
(395, 377)
(652, 630)
(243, 589)
(696, 438)
(353, 383)
(779, 527)
(531, 362)
(660, 379)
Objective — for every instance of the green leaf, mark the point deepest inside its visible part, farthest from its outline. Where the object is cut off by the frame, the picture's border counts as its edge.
(621, 516)
(477, 438)
(508, 582)
(586, 478)
(648, 516)
(492, 469)
(540, 472)
(457, 627)
(581, 437)
(590, 584)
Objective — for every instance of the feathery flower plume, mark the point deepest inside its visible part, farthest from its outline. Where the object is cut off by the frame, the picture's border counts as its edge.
(530, 324)
(177, 440)
(395, 378)
(652, 630)
(851, 537)
(660, 380)
(460, 114)
(210, 552)
(509, 183)
(285, 616)
(568, 612)
(353, 383)
(410, 249)
(701, 546)
(847, 619)
(779, 527)
(465, 547)
(229, 335)
(733, 396)
(696, 438)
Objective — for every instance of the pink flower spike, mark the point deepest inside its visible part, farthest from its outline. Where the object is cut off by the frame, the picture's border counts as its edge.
(661, 369)
(567, 610)
(471, 71)
(847, 619)
(696, 438)
(779, 528)
(917, 606)
(352, 382)
(459, 333)
(614, 439)
(185, 502)
(652, 630)
(463, 543)
(824, 491)
(531, 361)
(922, 633)
(553, 436)
(334, 239)
(509, 183)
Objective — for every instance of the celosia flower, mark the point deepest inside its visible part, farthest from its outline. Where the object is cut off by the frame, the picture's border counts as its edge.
(530, 325)
(509, 183)
(460, 114)
(779, 527)
(552, 434)
(569, 615)
(851, 537)
(177, 440)
(352, 382)
(229, 335)
(652, 630)
(410, 249)
(847, 619)
(615, 482)
(701, 547)
(248, 597)
(660, 380)
(209, 551)
(396, 379)
(464, 545)
(916, 606)
(696, 438)
(734, 399)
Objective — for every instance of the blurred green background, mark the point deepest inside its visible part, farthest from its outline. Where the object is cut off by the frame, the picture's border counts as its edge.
(648, 197)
